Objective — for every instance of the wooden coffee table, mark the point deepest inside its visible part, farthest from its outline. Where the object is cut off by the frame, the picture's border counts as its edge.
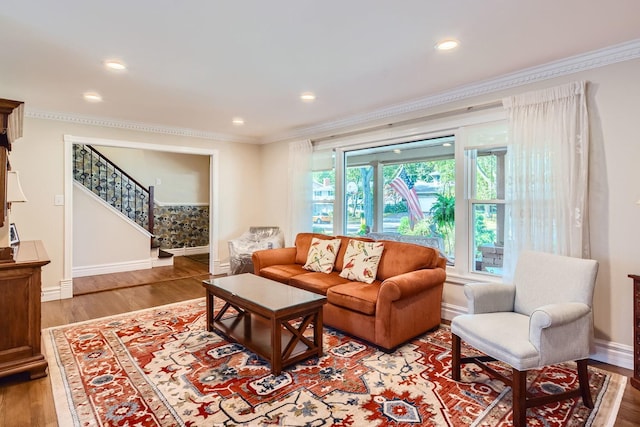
(270, 318)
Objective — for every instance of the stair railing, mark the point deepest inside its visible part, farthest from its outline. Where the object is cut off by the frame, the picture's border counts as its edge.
(113, 185)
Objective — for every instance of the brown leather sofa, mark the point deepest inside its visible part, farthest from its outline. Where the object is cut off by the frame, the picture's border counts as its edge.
(404, 300)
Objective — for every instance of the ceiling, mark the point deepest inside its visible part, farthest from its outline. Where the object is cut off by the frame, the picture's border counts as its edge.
(197, 64)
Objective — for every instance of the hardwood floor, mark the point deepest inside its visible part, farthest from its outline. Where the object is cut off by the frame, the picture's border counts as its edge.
(183, 267)
(30, 403)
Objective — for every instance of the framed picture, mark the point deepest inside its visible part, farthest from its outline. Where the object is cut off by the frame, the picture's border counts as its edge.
(13, 234)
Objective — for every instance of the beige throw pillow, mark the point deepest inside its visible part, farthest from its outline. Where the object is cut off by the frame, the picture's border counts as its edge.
(361, 261)
(322, 255)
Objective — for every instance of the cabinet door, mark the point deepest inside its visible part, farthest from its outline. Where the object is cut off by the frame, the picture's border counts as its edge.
(20, 335)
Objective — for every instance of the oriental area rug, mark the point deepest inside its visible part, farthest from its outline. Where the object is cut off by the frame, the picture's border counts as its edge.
(159, 367)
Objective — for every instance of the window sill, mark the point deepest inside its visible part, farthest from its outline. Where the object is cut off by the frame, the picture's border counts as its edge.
(455, 278)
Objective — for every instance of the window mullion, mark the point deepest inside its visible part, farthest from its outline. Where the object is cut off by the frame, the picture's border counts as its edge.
(338, 208)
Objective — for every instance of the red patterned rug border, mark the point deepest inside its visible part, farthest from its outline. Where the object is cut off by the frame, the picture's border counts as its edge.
(607, 401)
(65, 411)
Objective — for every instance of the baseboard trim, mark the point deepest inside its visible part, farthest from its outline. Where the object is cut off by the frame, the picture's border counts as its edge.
(118, 267)
(222, 268)
(51, 294)
(613, 353)
(449, 311)
(195, 250)
(54, 293)
(162, 262)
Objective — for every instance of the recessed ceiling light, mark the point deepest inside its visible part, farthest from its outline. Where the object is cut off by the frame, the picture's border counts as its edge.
(446, 144)
(447, 44)
(308, 96)
(92, 97)
(115, 65)
(397, 151)
(238, 121)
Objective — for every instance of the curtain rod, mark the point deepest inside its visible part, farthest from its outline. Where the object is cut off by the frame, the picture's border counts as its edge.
(470, 109)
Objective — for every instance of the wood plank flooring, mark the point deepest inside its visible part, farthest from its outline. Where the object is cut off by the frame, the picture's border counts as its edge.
(183, 267)
(30, 403)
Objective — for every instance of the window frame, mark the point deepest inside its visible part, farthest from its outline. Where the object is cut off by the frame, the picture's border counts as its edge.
(457, 126)
(471, 199)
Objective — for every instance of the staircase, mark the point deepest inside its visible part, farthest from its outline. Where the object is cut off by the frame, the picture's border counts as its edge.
(118, 189)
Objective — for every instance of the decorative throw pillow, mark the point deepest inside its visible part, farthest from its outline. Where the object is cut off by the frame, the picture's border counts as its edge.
(361, 261)
(322, 255)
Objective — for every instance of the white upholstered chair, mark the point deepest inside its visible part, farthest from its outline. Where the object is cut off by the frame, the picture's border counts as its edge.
(543, 318)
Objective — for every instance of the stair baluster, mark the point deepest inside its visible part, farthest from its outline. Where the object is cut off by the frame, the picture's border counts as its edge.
(113, 185)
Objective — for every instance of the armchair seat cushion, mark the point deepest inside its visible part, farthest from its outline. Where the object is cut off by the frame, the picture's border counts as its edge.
(504, 336)
(356, 296)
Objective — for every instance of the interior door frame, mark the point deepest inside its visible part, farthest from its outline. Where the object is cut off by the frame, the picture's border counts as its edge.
(66, 289)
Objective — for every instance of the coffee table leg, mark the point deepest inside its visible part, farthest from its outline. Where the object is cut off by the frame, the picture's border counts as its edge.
(210, 306)
(317, 332)
(276, 347)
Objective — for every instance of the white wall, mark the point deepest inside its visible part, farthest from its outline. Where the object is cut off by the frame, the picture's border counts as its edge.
(274, 185)
(614, 95)
(104, 237)
(177, 178)
(39, 157)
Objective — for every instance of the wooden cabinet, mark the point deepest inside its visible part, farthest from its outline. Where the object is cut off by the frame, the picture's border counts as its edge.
(7, 106)
(635, 380)
(20, 295)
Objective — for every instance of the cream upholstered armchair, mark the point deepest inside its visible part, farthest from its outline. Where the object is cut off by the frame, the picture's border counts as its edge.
(543, 318)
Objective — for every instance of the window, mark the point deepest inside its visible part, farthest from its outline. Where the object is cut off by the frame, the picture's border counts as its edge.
(485, 149)
(486, 201)
(445, 190)
(405, 189)
(324, 185)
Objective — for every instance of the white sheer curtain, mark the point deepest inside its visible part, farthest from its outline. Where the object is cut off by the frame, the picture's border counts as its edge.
(300, 186)
(547, 173)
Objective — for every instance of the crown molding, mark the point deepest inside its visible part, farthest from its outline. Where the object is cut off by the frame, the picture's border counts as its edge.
(594, 59)
(135, 126)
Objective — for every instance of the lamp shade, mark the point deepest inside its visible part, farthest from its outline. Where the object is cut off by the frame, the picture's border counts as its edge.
(14, 189)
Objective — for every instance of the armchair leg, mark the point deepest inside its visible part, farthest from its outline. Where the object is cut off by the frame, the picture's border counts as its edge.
(583, 380)
(519, 393)
(455, 357)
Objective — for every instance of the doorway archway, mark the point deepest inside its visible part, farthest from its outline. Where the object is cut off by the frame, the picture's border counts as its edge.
(66, 288)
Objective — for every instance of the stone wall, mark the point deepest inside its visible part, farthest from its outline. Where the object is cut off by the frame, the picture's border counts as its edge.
(179, 226)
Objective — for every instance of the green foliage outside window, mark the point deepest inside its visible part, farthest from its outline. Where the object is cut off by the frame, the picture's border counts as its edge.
(443, 216)
(421, 228)
(482, 234)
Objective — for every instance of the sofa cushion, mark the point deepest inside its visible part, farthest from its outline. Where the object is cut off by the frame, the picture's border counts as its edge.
(317, 282)
(282, 273)
(361, 260)
(303, 243)
(322, 255)
(400, 257)
(356, 296)
(343, 249)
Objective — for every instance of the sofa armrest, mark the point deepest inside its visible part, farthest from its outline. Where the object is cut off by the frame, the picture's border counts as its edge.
(267, 257)
(409, 284)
